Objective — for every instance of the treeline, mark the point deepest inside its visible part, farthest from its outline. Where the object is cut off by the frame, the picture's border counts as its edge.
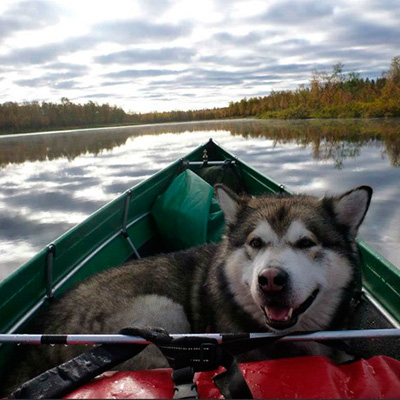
(329, 95)
(35, 116)
(181, 116)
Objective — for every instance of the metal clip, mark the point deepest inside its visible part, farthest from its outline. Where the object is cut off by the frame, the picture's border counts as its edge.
(51, 252)
(205, 156)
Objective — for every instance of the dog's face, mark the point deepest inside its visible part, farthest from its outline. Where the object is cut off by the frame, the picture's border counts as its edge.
(290, 260)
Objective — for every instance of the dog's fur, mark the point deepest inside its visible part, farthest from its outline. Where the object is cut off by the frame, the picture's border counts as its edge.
(302, 247)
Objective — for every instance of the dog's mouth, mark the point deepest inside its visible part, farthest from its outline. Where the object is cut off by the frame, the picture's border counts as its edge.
(279, 316)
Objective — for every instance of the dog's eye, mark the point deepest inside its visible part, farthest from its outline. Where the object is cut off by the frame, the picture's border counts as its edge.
(305, 243)
(256, 243)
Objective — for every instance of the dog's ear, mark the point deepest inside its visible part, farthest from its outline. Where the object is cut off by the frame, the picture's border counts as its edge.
(229, 202)
(351, 207)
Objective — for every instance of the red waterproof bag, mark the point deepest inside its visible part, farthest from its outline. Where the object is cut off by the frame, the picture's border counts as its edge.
(301, 377)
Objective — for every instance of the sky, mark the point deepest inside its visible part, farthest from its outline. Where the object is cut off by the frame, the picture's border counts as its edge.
(162, 55)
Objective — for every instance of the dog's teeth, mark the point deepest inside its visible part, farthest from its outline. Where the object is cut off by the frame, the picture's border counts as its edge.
(277, 313)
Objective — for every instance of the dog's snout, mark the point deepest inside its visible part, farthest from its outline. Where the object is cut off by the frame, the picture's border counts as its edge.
(273, 279)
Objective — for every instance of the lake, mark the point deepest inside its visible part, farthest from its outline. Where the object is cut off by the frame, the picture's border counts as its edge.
(51, 181)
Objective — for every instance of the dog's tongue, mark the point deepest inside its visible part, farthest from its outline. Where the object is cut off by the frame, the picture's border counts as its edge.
(279, 313)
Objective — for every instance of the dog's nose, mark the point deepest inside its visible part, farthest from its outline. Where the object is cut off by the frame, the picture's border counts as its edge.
(273, 279)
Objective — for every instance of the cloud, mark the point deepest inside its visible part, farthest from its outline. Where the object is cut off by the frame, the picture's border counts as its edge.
(97, 96)
(198, 78)
(58, 80)
(389, 6)
(65, 84)
(123, 32)
(155, 7)
(34, 82)
(238, 61)
(167, 55)
(28, 15)
(47, 52)
(133, 31)
(296, 12)
(141, 73)
(63, 66)
(356, 32)
(336, 47)
(235, 40)
(115, 82)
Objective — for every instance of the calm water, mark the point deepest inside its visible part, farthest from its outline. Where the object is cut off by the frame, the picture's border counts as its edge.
(50, 182)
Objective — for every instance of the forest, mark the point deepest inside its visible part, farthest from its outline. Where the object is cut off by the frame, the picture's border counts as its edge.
(332, 94)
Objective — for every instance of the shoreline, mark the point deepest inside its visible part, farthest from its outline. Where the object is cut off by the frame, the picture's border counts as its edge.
(132, 125)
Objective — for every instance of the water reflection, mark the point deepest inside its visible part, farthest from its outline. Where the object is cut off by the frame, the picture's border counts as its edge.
(335, 140)
(48, 183)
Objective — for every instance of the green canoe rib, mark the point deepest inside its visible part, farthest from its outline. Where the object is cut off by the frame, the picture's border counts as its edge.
(100, 242)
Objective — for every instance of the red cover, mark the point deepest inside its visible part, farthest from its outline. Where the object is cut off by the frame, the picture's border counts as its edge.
(302, 377)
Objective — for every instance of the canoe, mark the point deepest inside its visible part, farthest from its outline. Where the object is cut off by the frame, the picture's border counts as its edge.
(125, 228)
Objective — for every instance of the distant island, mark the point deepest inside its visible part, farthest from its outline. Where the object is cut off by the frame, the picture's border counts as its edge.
(328, 95)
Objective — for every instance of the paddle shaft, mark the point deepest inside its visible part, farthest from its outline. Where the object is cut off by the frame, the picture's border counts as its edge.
(90, 339)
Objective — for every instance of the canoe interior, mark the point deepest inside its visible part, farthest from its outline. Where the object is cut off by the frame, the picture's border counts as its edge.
(98, 243)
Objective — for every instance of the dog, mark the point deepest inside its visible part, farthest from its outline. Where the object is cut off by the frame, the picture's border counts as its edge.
(285, 264)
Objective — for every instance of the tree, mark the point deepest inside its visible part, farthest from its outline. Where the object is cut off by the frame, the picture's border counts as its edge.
(337, 73)
(394, 71)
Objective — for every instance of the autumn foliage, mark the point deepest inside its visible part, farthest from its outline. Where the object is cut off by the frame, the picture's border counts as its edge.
(331, 95)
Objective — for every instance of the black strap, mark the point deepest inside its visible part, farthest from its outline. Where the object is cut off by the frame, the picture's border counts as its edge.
(231, 383)
(201, 354)
(241, 343)
(189, 355)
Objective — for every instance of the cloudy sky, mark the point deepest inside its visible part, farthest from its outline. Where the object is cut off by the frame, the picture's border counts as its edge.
(146, 55)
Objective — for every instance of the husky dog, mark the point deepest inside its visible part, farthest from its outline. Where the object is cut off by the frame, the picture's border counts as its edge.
(285, 264)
